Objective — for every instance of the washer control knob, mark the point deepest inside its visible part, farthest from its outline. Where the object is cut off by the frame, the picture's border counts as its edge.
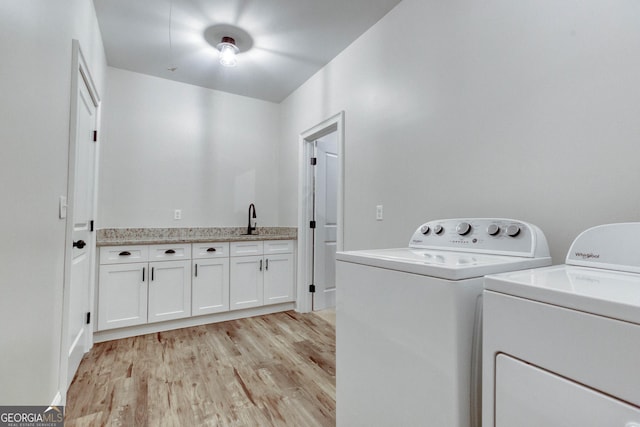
(438, 229)
(513, 230)
(425, 229)
(493, 229)
(463, 228)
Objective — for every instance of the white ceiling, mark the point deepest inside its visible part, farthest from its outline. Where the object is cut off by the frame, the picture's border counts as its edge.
(287, 40)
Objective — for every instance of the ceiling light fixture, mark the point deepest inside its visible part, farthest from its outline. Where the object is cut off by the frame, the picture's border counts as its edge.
(228, 50)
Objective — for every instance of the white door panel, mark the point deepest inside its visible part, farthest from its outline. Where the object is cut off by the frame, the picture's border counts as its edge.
(326, 193)
(82, 211)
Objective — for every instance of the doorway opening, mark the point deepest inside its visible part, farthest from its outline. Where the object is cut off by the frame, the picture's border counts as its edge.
(320, 212)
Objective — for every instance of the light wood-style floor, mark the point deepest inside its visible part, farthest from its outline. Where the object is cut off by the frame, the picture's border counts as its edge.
(274, 370)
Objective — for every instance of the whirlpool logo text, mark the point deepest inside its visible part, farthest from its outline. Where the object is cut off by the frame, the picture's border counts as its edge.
(589, 255)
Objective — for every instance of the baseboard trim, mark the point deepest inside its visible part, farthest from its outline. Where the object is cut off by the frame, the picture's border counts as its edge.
(150, 328)
(57, 400)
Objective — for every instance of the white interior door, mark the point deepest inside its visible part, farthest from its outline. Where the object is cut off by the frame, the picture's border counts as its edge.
(82, 205)
(326, 214)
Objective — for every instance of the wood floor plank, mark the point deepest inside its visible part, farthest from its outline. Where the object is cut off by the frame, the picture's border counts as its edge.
(274, 370)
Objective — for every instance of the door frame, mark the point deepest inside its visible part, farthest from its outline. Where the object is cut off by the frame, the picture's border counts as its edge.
(305, 202)
(79, 70)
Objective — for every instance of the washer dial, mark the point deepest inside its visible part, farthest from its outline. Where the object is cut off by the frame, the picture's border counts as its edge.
(463, 228)
(493, 229)
(438, 229)
(425, 229)
(513, 230)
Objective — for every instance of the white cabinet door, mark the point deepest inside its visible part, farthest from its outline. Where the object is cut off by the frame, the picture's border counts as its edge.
(210, 286)
(246, 288)
(169, 290)
(122, 295)
(278, 279)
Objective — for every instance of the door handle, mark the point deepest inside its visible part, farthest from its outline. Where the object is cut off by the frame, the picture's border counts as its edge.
(211, 250)
(266, 264)
(169, 251)
(260, 265)
(79, 244)
(124, 253)
(196, 270)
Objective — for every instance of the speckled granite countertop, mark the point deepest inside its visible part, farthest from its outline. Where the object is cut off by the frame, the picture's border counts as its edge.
(150, 236)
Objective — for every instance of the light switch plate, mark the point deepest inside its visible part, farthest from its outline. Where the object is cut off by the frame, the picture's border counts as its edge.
(62, 207)
(379, 213)
(177, 214)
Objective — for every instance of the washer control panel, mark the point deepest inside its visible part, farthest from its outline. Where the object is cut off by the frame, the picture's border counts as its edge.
(484, 235)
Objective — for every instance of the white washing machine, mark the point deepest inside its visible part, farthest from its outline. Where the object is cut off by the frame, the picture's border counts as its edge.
(561, 345)
(408, 321)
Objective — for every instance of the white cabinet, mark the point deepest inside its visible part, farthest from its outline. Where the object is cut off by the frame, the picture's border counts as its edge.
(169, 290)
(246, 288)
(278, 278)
(261, 273)
(122, 295)
(133, 291)
(210, 282)
(140, 285)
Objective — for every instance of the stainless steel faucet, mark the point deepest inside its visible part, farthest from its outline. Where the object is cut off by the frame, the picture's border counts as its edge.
(249, 227)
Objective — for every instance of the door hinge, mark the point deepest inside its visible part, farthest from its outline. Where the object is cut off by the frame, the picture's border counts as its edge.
(312, 224)
(95, 135)
(314, 161)
(88, 317)
(312, 288)
(91, 225)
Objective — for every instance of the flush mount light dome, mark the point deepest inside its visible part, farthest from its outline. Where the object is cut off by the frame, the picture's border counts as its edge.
(229, 41)
(228, 50)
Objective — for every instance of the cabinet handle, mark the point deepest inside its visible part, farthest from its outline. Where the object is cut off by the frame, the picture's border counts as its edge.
(260, 265)
(124, 253)
(211, 250)
(143, 268)
(169, 251)
(196, 270)
(152, 273)
(266, 264)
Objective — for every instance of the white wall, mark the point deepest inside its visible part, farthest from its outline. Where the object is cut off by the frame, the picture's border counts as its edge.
(35, 83)
(523, 109)
(169, 145)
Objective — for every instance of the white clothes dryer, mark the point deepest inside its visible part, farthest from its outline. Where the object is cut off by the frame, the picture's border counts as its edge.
(561, 345)
(408, 321)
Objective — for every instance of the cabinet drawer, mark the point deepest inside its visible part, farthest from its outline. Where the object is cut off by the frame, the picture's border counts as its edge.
(169, 252)
(278, 247)
(210, 250)
(123, 254)
(246, 248)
